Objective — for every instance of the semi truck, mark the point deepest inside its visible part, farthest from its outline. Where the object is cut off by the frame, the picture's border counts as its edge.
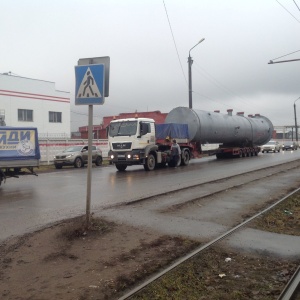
(19, 151)
(139, 141)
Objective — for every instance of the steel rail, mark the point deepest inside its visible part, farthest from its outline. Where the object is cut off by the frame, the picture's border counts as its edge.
(201, 248)
(291, 287)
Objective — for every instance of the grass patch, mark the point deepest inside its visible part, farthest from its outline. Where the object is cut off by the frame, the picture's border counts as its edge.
(209, 276)
(284, 218)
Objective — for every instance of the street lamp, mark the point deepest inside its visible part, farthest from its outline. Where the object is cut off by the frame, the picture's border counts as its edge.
(296, 126)
(190, 61)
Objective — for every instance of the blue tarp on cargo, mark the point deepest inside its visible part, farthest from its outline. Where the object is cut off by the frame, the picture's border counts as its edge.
(172, 130)
(19, 143)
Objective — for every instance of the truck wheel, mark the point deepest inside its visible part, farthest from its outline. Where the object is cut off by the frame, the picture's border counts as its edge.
(58, 167)
(78, 163)
(185, 158)
(121, 168)
(150, 163)
(98, 161)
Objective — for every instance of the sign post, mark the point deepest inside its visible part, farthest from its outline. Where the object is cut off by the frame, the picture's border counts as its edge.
(90, 90)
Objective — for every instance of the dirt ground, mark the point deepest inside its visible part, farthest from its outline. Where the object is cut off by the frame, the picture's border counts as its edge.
(65, 261)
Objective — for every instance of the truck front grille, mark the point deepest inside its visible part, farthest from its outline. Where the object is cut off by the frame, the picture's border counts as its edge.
(121, 146)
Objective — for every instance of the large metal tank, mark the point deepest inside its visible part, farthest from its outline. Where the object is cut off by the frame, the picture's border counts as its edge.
(227, 129)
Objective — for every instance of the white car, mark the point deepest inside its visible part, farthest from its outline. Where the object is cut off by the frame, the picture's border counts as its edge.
(272, 146)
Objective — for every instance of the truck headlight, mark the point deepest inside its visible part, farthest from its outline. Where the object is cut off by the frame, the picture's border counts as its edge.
(129, 156)
(112, 156)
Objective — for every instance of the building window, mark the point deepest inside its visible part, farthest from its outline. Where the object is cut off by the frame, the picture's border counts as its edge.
(25, 115)
(54, 117)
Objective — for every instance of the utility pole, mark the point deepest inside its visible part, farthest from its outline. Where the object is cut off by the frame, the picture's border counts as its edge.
(296, 126)
(283, 61)
(190, 62)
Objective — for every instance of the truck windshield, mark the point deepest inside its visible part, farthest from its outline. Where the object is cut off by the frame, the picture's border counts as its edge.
(122, 128)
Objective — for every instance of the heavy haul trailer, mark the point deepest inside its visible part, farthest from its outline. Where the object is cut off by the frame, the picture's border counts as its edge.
(19, 151)
(138, 141)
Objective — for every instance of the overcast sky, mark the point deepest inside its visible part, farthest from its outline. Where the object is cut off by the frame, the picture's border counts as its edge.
(148, 42)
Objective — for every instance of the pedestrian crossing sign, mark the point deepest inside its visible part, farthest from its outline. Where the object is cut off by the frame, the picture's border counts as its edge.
(89, 84)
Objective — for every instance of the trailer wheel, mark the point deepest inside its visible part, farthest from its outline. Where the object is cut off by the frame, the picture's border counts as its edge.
(150, 163)
(185, 158)
(121, 168)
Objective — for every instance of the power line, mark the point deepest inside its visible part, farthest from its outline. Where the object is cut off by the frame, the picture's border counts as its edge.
(288, 11)
(84, 114)
(285, 55)
(221, 86)
(296, 4)
(175, 43)
(218, 102)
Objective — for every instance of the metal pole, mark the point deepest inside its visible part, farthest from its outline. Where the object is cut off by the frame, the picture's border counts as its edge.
(296, 127)
(89, 172)
(190, 61)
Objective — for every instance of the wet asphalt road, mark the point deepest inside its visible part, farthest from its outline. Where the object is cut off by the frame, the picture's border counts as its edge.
(30, 202)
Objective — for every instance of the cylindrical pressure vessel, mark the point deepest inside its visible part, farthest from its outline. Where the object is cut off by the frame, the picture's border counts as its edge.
(227, 129)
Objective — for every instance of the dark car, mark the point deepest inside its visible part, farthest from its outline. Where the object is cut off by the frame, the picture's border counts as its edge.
(77, 156)
(288, 145)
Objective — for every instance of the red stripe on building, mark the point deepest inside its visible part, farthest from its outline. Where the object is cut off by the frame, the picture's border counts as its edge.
(37, 98)
(34, 96)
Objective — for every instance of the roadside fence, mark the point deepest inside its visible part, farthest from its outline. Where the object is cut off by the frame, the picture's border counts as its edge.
(50, 147)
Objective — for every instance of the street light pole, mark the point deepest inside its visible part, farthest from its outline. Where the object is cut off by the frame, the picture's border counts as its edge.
(296, 126)
(190, 62)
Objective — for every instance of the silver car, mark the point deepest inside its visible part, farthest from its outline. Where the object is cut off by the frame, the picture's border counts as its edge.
(77, 156)
(272, 146)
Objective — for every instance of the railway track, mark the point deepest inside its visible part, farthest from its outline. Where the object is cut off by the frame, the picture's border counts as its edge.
(292, 288)
(182, 201)
(288, 292)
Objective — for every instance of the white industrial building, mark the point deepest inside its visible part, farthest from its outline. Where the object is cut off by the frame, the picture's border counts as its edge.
(34, 103)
